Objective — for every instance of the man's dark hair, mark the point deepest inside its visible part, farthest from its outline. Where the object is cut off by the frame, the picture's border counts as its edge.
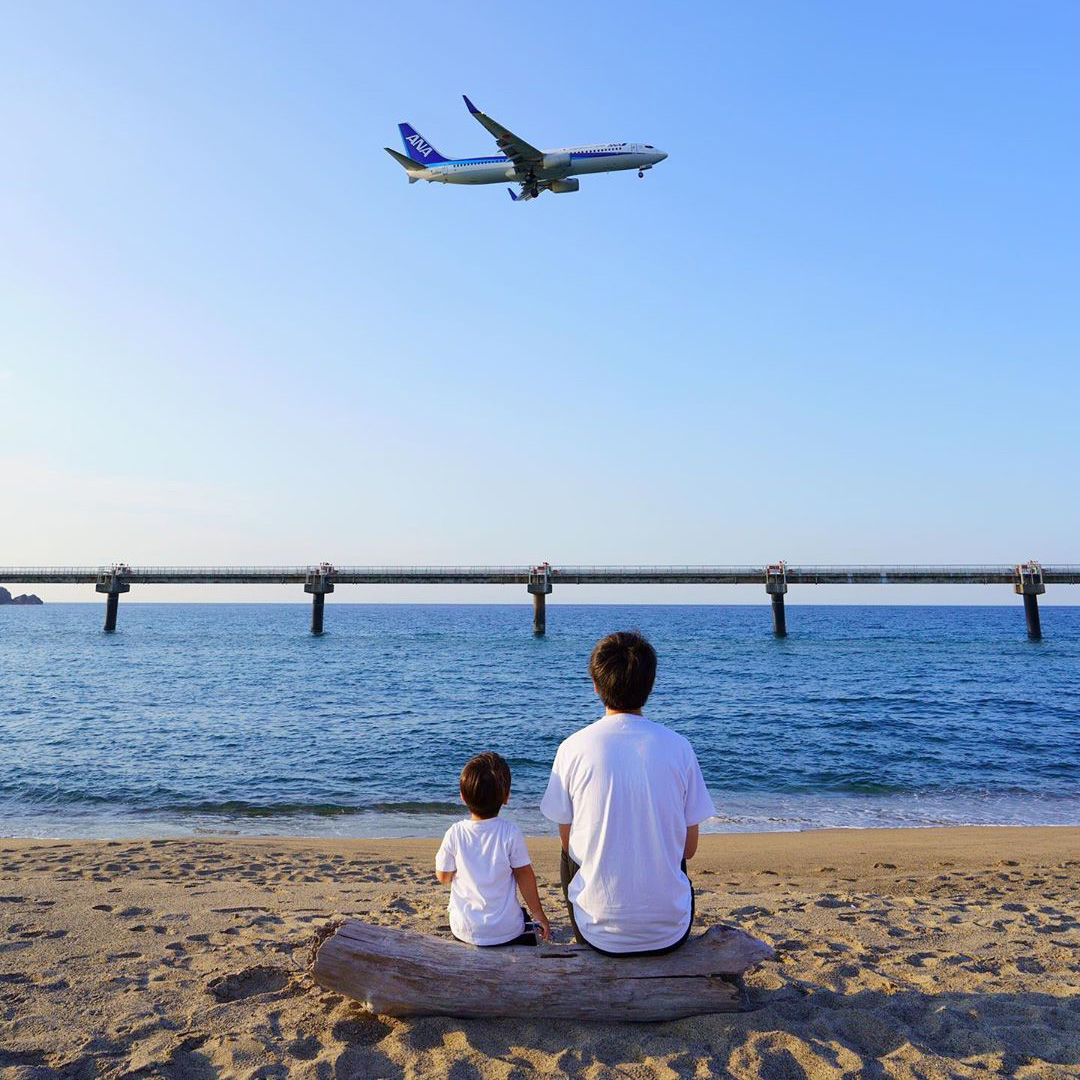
(623, 666)
(485, 783)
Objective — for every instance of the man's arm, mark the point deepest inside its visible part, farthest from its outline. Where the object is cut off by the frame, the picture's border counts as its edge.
(690, 848)
(445, 876)
(564, 837)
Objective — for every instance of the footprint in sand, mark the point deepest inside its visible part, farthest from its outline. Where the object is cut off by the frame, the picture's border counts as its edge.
(363, 1030)
(304, 1047)
(922, 959)
(250, 982)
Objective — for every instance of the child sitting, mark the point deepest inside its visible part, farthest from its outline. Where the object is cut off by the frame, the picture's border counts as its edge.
(483, 858)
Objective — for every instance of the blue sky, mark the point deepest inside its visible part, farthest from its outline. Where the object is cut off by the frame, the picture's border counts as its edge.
(837, 325)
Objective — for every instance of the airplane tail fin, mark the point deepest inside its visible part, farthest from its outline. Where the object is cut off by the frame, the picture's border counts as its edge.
(418, 148)
(410, 166)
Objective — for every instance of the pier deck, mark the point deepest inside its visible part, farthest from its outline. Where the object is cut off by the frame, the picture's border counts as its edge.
(1028, 579)
(521, 575)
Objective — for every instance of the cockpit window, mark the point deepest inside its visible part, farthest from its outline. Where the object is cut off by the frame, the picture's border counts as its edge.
(648, 147)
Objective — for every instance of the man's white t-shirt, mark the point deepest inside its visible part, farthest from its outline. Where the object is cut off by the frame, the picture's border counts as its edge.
(483, 904)
(628, 789)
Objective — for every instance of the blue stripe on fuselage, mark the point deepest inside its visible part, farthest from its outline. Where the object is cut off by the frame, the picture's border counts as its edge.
(508, 161)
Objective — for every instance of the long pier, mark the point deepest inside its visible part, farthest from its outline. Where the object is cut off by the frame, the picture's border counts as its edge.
(1028, 580)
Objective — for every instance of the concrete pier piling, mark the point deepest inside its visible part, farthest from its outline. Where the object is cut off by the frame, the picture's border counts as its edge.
(1029, 584)
(318, 601)
(539, 586)
(112, 583)
(320, 581)
(776, 587)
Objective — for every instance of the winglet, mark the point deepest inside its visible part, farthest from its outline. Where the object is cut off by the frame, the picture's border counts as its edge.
(409, 166)
(510, 190)
(469, 105)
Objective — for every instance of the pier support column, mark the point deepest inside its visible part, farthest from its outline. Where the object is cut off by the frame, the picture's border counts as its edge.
(112, 582)
(320, 581)
(1028, 583)
(539, 587)
(776, 587)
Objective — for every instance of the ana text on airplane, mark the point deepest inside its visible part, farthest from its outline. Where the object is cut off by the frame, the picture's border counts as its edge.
(518, 161)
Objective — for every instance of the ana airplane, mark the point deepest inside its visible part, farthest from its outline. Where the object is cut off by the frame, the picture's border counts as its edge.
(535, 170)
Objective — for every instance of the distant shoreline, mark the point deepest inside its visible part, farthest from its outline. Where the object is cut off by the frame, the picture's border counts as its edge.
(22, 600)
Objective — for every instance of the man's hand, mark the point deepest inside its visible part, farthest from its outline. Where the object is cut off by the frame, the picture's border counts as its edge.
(543, 925)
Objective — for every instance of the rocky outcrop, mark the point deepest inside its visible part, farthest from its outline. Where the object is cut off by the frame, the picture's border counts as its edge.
(23, 598)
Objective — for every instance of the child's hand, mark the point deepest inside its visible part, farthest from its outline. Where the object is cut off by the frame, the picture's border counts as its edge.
(543, 926)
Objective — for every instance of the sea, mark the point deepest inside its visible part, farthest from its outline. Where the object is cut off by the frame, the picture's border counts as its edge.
(231, 719)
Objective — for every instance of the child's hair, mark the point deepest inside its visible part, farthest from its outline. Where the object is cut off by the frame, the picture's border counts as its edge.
(485, 783)
(623, 666)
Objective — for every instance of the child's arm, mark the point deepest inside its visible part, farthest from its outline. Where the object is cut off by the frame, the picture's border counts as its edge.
(526, 883)
(690, 849)
(445, 858)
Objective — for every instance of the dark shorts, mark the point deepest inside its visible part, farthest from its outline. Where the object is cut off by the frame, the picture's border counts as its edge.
(528, 938)
(568, 868)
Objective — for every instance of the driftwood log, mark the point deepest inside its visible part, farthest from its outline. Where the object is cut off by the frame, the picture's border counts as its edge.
(402, 974)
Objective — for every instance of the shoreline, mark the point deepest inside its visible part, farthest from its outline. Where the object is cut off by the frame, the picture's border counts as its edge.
(973, 839)
(928, 951)
(759, 814)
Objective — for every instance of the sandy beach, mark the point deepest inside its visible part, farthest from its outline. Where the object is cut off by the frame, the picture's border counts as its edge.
(907, 953)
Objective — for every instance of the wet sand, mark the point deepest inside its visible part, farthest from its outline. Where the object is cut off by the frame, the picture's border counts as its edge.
(908, 953)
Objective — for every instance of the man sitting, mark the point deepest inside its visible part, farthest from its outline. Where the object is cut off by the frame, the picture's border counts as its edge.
(628, 797)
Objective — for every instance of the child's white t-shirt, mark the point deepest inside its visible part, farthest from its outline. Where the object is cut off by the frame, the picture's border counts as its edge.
(483, 904)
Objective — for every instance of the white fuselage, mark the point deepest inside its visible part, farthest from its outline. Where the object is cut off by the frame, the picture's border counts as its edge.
(570, 161)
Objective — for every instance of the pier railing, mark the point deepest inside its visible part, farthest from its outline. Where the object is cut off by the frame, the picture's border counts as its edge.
(1028, 579)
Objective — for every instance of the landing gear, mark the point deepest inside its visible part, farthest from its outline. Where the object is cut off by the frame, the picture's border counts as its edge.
(534, 191)
(641, 174)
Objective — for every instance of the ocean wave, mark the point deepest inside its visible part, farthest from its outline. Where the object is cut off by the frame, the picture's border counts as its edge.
(246, 809)
(17, 799)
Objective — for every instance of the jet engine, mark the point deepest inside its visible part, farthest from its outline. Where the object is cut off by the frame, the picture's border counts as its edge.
(560, 187)
(556, 163)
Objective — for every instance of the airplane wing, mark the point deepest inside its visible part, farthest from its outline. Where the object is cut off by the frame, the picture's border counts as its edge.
(521, 153)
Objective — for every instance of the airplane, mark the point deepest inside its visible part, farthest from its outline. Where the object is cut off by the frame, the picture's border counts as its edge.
(535, 170)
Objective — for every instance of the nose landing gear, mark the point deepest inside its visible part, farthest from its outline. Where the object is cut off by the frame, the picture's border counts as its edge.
(641, 174)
